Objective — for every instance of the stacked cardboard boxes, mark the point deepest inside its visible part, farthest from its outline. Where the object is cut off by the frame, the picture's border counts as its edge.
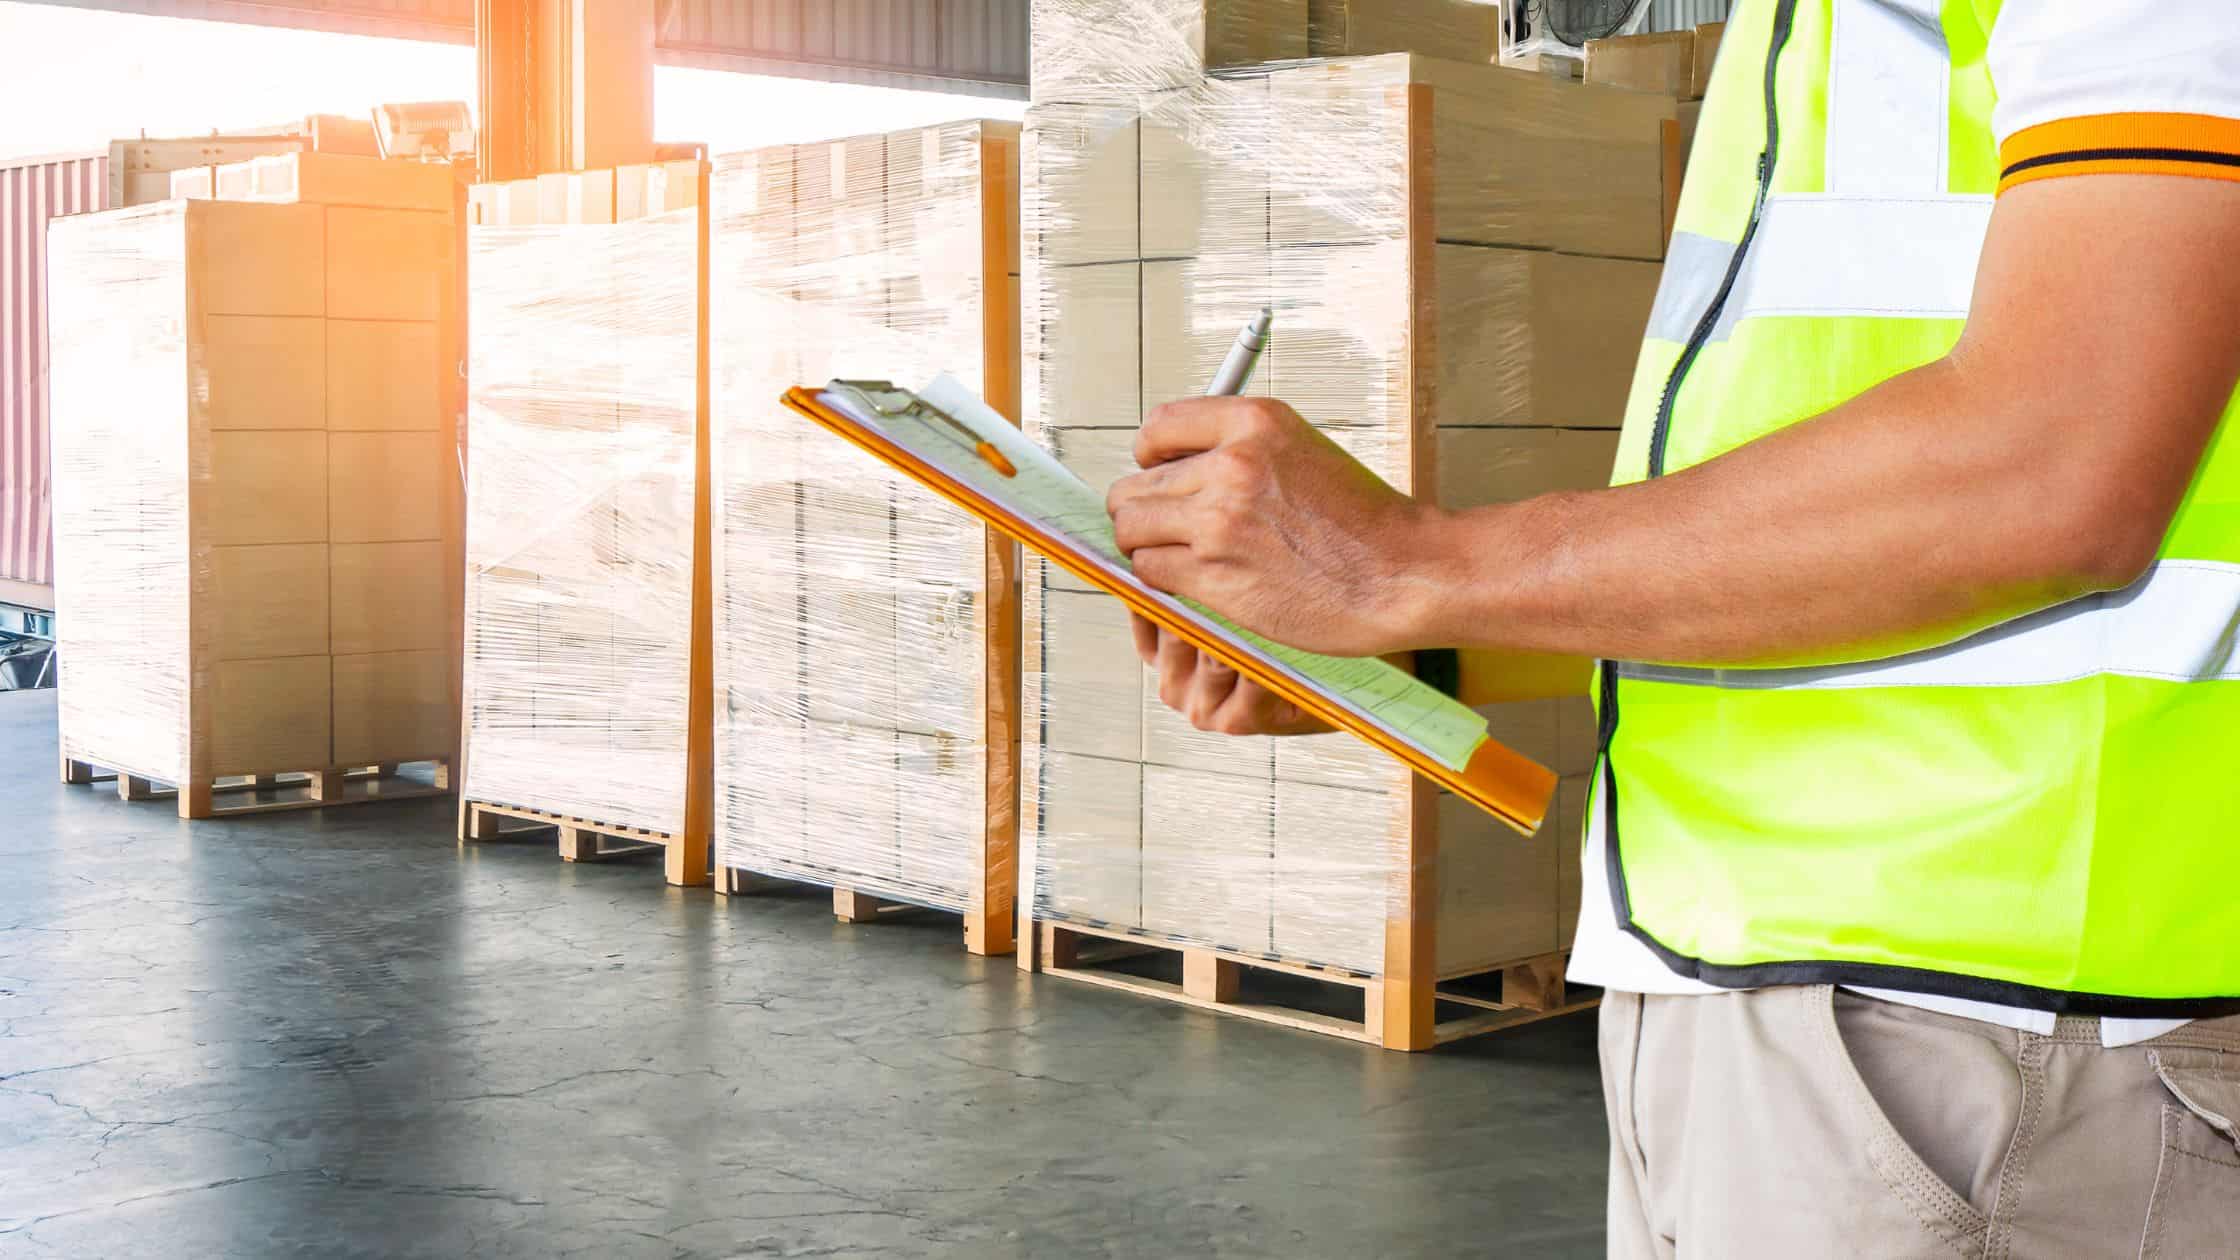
(587, 657)
(1677, 64)
(257, 496)
(867, 636)
(1461, 259)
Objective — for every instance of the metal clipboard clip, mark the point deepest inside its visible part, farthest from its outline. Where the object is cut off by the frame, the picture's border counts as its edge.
(902, 403)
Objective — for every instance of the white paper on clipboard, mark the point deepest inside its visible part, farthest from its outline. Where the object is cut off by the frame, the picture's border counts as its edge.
(1048, 495)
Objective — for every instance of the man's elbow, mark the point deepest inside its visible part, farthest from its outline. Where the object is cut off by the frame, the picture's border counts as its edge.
(2103, 537)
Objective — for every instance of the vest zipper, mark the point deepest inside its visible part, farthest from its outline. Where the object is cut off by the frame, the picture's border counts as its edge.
(1784, 16)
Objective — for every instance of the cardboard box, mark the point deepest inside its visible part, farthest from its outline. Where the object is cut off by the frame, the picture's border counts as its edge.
(1208, 858)
(326, 179)
(1107, 51)
(1083, 166)
(1087, 818)
(1500, 894)
(271, 601)
(393, 706)
(263, 372)
(1706, 58)
(1661, 62)
(1504, 465)
(385, 375)
(1092, 685)
(1518, 158)
(1201, 194)
(1083, 356)
(1455, 29)
(1528, 337)
(1191, 313)
(1337, 853)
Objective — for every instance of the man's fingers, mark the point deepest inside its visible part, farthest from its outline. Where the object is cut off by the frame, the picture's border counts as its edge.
(1211, 685)
(1249, 709)
(1156, 521)
(1187, 426)
(1182, 477)
(1147, 638)
(1254, 710)
(1168, 568)
(1177, 666)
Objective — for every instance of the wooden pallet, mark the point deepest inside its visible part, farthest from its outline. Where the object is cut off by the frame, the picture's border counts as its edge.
(849, 905)
(232, 796)
(580, 839)
(1522, 992)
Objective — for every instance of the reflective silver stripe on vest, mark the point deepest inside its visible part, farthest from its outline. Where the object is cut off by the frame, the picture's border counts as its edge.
(1889, 93)
(2179, 623)
(1882, 257)
(1884, 240)
(1693, 267)
(1888, 257)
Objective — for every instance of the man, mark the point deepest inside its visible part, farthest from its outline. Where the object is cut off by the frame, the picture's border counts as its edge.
(1912, 857)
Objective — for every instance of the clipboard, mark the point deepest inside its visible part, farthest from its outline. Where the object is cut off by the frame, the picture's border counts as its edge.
(959, 429)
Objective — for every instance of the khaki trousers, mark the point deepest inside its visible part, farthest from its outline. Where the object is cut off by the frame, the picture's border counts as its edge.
(1806, 1122)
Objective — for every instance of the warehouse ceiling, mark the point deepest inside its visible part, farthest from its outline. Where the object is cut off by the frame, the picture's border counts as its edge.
(975, 46)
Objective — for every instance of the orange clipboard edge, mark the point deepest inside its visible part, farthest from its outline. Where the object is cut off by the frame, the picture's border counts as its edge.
(1503, 782)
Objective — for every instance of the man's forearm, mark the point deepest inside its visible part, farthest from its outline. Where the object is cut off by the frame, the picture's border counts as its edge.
(1939, 503)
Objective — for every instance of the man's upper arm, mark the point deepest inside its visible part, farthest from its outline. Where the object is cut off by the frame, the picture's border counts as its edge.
(2107, 297)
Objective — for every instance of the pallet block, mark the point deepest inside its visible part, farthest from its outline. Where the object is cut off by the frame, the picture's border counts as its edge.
(263, 566)
(867, 637)
(588, 702)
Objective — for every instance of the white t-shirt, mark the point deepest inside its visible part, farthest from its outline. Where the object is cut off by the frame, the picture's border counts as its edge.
(2113, 86)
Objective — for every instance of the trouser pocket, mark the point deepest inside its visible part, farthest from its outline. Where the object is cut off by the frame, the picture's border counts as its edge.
(2195, 1209)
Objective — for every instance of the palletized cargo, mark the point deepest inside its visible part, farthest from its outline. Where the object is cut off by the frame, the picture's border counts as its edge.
(587, 666)
(256, 499)
(866, 634)
(1461, 259)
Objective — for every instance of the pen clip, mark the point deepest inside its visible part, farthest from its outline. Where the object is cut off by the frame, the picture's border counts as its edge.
(867, 392)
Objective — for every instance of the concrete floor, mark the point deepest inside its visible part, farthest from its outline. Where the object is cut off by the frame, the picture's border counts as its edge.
(334, 1034)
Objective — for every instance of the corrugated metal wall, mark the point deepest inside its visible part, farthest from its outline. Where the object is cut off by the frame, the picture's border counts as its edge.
(30, 194)
(942, 45)
(1680, 15)
(977, 46)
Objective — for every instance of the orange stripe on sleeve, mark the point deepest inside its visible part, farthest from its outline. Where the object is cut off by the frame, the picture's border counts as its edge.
(2204, 146)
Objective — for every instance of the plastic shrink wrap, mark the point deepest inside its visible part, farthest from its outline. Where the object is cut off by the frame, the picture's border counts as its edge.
(583, 423)
(866, 633)
(256, 495)
(1461, 260)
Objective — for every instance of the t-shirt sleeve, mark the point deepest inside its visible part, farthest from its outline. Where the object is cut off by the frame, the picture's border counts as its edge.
(2093, 87)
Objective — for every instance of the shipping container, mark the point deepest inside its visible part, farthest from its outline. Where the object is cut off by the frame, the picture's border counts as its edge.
(32, 191)
(978, 47)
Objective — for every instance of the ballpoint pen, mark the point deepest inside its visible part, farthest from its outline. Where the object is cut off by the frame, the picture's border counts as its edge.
(1244, 356)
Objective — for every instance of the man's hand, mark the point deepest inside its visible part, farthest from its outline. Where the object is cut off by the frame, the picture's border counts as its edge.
(1244, 507)
(1213, 696)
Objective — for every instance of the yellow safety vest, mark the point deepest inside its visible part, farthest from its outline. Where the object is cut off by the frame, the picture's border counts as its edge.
(2040, 815)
